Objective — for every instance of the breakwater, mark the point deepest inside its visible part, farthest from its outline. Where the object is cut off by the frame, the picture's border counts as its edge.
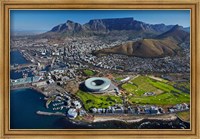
(50, 113)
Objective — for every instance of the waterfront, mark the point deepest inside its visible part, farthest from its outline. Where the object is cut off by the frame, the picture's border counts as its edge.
(26, 102)
(17, 58)
(17, 75)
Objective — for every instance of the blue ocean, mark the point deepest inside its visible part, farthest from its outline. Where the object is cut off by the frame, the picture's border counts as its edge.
(17, 58)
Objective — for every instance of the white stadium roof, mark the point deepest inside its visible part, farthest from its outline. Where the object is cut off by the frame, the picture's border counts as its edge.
(97, 84)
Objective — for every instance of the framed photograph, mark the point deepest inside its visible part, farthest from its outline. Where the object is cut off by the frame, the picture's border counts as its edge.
(109, 69)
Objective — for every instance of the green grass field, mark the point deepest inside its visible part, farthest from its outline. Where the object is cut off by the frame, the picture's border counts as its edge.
(165, 94)
(143, 84)
(139, 86)
(98, 101)
(88, 72)
(118, 78)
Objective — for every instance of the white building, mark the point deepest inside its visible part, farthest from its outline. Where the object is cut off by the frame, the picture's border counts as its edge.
(72, 113)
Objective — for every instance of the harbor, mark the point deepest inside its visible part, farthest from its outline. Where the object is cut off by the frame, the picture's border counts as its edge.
(22, 117)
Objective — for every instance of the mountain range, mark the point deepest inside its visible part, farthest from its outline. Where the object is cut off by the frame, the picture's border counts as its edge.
(108, 25)
(154, 40)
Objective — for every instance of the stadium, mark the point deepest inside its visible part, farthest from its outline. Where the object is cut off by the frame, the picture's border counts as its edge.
(97, 84)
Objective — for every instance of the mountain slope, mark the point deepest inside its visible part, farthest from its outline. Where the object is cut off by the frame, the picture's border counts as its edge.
(163, 45)
(68, 26)
(176, 34)
(146, 48)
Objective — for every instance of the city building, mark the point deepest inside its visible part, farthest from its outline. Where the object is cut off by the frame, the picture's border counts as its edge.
(72, 113)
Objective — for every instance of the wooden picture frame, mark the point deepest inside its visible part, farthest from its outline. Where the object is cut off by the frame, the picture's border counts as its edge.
(5, 132)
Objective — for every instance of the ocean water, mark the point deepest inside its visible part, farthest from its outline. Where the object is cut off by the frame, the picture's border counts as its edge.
(23, 106)
(17, 75)
(17, 58)
(25, 103)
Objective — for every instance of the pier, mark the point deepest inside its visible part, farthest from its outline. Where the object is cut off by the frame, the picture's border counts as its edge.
(50, 113)
(19, 67)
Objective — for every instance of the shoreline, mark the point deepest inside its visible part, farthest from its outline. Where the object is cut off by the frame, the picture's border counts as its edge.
(103, 118)
(183, 120)
(20, 88)
(134, 118)
(29, 87)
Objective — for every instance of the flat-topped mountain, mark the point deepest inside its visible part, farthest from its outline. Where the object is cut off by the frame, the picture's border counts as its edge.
(120, 24)
(152, 40)
(112, 24)
(110, 29)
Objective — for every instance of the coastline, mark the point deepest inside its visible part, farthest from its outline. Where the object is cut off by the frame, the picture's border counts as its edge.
(103, 118)
(124, 119)
(183, 119)
(21, 87)
(28, 87)
(134, 118)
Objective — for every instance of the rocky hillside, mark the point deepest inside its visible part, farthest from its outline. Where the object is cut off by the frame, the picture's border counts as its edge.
(176, 34)
(165, 44)
(146, 48)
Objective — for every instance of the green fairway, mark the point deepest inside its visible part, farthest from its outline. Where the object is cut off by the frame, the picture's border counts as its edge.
(163, 86)
(139, 86)
(162, 99)
(88, 72)
(97, 101)
(142, 84)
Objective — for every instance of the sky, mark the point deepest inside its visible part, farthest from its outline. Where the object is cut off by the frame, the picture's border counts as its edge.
(45, 20)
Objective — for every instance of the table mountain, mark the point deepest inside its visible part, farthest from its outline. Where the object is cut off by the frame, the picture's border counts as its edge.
(98, 26)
